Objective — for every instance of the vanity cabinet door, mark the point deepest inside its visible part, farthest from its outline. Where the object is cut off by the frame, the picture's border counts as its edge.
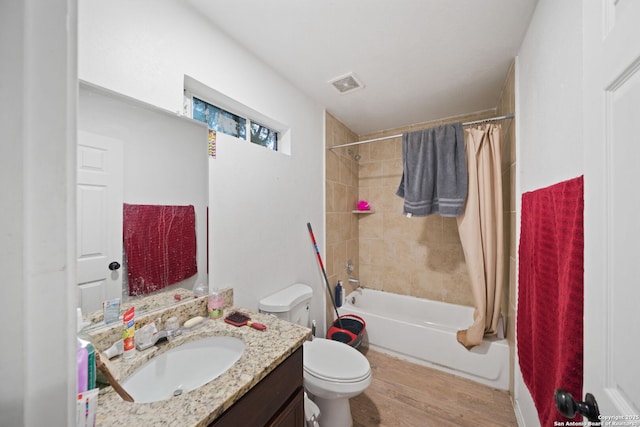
(291, 415)
(277, 400)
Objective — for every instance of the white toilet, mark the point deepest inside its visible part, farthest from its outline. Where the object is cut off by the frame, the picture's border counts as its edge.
(333, 371)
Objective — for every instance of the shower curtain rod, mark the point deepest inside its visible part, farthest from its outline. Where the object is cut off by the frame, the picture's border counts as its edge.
(490, 119)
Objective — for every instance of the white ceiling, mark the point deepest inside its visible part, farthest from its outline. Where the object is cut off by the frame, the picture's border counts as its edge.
(419, 60)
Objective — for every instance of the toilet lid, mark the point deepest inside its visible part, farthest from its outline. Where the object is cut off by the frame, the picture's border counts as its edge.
(334, 361)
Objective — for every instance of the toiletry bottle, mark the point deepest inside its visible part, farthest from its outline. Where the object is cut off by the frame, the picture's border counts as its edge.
(215, 304)
(128, 333)
(115, 350)
(83, 370)
(339, 292)
(84, 342)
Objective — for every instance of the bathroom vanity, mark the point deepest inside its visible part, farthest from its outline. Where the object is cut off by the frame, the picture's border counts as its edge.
(264, 387)
(277, 400)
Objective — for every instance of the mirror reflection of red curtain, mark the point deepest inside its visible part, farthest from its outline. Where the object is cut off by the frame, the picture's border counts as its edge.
(160, 246)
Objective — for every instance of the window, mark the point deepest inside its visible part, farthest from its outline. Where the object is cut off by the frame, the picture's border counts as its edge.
(232, 124)
(264, 136)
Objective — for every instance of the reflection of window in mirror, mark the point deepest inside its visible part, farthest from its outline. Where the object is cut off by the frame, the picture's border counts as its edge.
(218, 119)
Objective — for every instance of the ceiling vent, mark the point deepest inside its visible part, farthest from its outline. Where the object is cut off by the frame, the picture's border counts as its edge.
(347, 83)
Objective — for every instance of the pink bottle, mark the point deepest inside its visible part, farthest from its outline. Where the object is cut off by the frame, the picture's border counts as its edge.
(83, 369)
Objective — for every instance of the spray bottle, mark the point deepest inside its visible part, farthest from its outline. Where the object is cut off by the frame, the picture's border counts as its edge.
(339, 293)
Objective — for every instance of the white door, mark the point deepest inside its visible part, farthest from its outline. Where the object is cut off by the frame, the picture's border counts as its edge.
(99, 219)
(612, 205)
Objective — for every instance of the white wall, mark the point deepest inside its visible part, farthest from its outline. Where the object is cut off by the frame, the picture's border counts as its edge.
(549, 119)
(37, 219)
(550, 96)
(261, 200)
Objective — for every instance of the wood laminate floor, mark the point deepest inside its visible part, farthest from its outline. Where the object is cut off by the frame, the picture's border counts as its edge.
(406, 394)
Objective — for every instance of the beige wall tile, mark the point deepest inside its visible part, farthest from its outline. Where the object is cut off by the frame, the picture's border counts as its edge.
(338, 261)
(348, 171)
(395, 279)
(507, 105)
(512, 188)
(333, 228)
(342, 193)
(340, 199)
(456, 290)
(370, 276)
(332, 166)
(392, 173)
(385, 150)
(512, 281)
(329, 196)
(513, 246)
(370, 226)
(365, 152)
(370, 174)
(426, 284)
(450, 231)
(329, 267)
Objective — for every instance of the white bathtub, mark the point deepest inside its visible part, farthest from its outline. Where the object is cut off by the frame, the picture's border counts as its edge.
(424, 332)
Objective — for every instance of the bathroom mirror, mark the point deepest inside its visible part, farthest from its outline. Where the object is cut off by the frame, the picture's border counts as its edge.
(134, 154)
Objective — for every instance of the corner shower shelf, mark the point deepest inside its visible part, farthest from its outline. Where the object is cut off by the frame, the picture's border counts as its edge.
(356, 211)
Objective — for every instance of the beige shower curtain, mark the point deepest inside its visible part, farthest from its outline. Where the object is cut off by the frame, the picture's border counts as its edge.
(481, 231)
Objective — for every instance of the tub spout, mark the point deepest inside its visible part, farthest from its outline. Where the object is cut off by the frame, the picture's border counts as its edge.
(354, 281)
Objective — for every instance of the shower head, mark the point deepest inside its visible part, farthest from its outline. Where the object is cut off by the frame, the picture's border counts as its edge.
(356, 156)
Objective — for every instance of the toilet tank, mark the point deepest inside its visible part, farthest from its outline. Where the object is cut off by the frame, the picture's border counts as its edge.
(291, 304)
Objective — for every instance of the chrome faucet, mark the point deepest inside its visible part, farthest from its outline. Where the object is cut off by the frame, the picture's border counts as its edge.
(354, 281)
(146, 340)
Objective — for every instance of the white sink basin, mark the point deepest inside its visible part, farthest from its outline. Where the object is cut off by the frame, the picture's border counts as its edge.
(183, 368)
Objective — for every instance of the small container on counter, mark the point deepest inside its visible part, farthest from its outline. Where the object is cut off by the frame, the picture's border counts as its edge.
(215, 304)
(128, 333)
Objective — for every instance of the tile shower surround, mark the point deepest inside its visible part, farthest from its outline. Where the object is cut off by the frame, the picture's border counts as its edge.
(420, 257)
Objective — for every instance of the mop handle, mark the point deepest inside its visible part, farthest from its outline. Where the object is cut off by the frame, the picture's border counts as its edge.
(326, 281)
(315, 245)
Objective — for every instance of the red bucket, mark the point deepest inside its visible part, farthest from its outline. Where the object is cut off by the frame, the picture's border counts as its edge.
(348, 329)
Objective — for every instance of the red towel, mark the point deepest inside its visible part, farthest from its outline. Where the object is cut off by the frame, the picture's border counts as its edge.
(550, 294)
(160, 246)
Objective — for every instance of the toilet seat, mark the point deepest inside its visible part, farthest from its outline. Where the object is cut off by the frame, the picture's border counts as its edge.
(334, 361)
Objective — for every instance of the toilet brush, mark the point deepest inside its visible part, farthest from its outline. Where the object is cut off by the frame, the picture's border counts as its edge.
(324, 273)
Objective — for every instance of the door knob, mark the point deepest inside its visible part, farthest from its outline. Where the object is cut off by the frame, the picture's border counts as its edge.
(114, 266)
(567, 406)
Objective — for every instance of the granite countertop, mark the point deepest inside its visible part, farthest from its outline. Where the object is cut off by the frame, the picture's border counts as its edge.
(264, 351)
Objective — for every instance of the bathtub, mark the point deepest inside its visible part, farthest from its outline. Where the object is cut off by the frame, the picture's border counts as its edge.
(424, 332)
